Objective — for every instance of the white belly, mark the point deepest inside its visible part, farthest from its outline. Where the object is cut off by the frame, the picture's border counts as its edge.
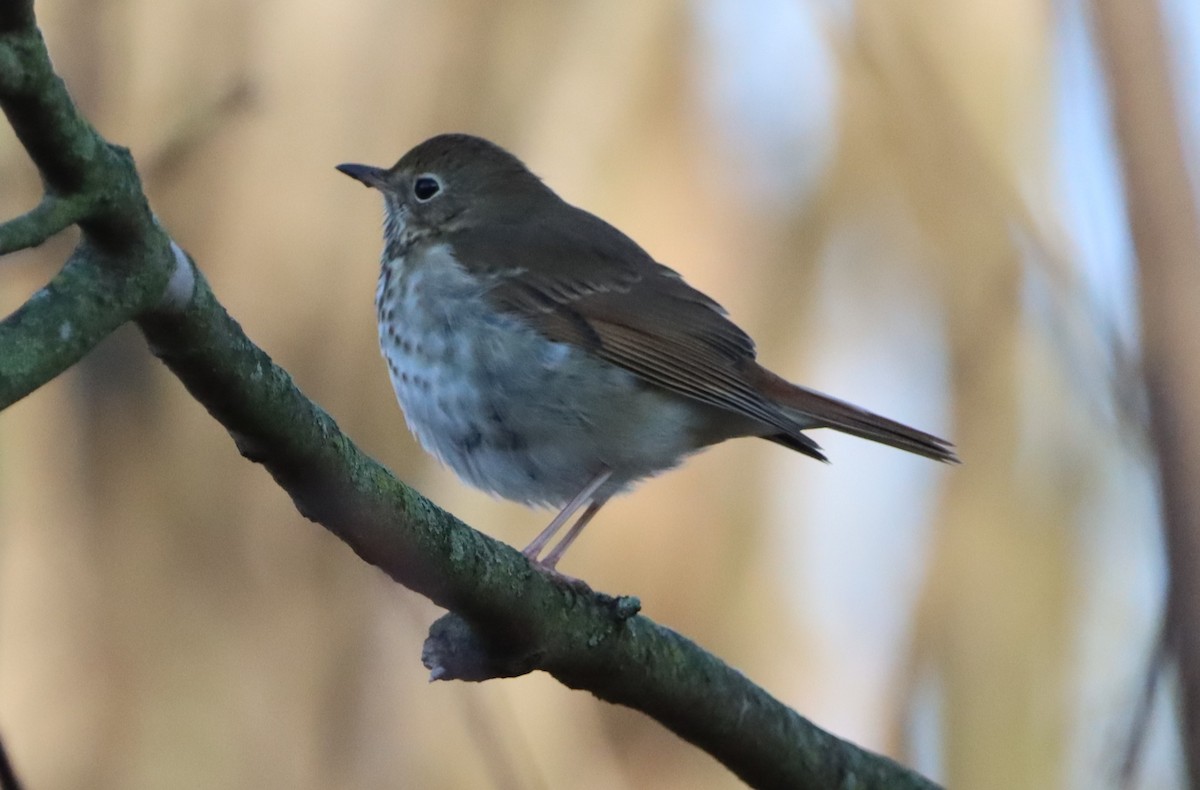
(507, 410)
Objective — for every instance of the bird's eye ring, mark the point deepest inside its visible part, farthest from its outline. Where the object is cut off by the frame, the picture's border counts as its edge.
(425, 187)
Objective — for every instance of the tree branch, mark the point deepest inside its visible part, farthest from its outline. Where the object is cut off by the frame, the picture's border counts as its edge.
(123, 262)
(509, 618)
(16, 14)
(1166, 235)
(40, 223)
(8, 774)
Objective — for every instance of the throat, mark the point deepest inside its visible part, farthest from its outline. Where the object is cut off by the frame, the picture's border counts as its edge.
(397, 245)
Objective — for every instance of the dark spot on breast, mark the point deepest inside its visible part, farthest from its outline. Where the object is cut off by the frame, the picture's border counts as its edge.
(510, 441)
(472, 441)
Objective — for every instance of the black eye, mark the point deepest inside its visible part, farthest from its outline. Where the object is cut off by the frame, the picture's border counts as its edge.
(425, 187)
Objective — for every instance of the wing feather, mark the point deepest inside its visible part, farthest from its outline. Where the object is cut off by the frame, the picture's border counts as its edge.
(576, 279)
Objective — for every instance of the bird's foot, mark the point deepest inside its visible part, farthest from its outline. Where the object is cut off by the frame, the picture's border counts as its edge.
(546, 566)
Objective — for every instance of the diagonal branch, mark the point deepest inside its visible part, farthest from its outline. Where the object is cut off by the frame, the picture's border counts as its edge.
(85, 302)
(518, 618)
(509, 618)
(8, 775)
(16, 14)
(123, 262)
(37, 225)
(1164, 219)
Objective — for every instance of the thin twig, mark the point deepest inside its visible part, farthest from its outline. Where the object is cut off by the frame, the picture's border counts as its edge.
(53, 215)
(8, 775)
(1166, 236)
(1139, 722)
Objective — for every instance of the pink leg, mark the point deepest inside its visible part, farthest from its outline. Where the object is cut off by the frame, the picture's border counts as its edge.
(556, 553)
(535, 548)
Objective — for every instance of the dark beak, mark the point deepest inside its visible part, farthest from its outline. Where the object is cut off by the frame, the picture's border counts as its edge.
(371, 176)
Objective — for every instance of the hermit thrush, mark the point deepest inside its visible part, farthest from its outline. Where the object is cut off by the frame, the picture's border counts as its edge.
(545, 357)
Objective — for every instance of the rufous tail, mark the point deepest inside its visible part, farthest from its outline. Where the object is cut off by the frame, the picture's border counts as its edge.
(814, 410)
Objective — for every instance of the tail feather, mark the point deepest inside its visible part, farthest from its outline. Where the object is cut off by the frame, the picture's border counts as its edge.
(812, 409)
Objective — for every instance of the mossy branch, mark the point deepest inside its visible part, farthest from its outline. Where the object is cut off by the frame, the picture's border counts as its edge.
(507, 617)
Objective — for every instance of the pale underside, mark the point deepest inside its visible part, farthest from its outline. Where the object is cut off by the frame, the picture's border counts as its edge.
(509, 411)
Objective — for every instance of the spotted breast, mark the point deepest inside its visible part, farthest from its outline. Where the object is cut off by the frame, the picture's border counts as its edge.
(509, 411)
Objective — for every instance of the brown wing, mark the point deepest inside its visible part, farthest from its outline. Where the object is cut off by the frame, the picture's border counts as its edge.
(578, 280)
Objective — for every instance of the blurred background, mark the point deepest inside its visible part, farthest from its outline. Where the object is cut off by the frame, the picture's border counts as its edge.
(916, 206)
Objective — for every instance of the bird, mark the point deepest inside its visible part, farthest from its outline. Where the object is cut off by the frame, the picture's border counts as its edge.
(547, 358)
